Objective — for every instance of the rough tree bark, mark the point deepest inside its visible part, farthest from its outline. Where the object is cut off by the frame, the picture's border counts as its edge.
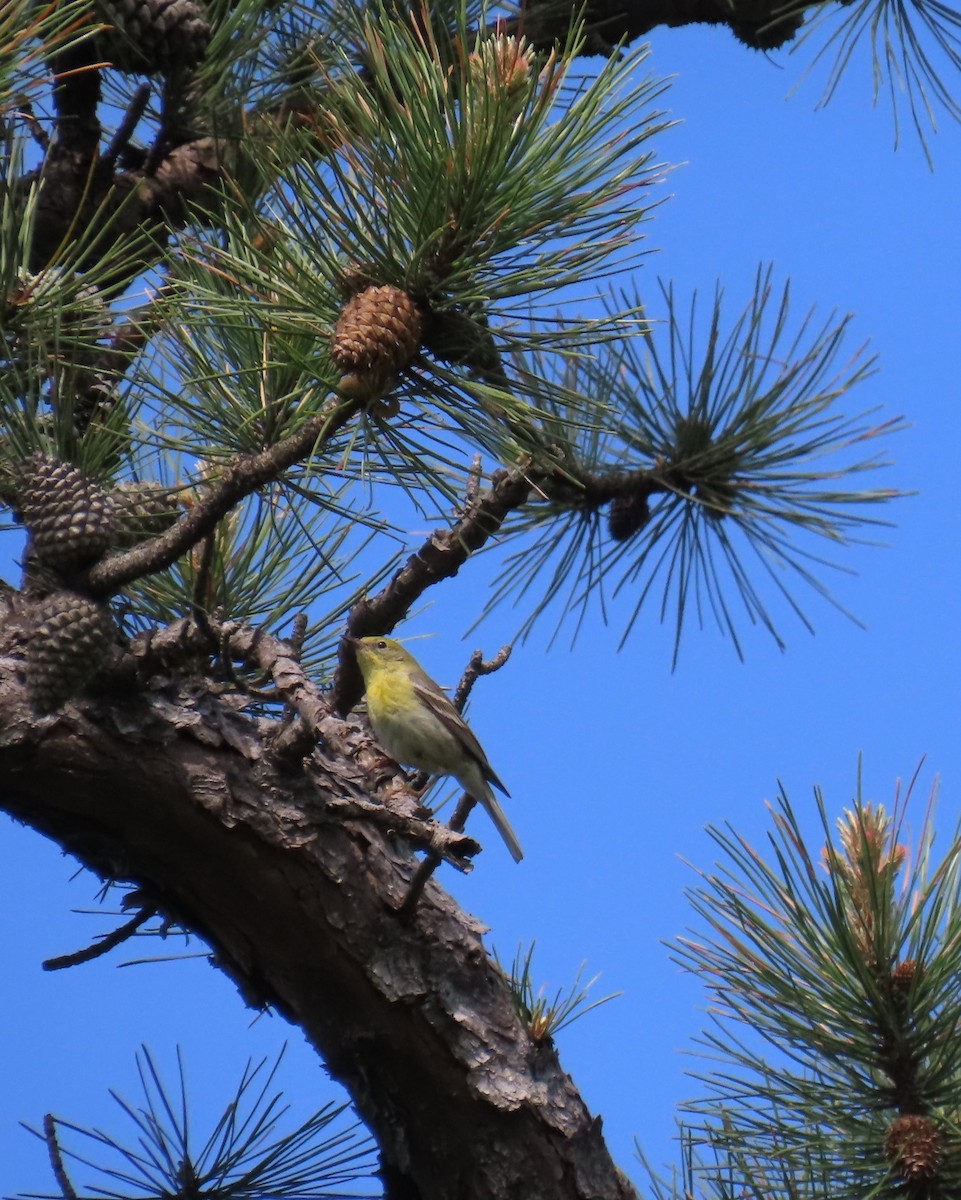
(294, 876)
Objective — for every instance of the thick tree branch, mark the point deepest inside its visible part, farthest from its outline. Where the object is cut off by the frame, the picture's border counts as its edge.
(299, 907)
(610, 22)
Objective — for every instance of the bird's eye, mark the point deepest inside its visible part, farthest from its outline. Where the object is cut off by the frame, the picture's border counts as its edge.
(381, 645)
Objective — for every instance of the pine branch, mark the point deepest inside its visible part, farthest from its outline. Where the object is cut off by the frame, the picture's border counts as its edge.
(310, 939)
(56, 1158)
(835, 1004)
(104, 945)
(237, 479)
(244, 1157)
(439, 558)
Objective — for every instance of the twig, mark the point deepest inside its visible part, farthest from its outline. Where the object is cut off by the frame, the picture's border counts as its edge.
(25, 112)
(240, 477)
(171, 129)
(273, 657)
(124, 132)
(475, 668)
(56, 1158)
(200, 598)
(474, 478)
(433, 860)
(439, 558)
(297, 635)
(109, 940)
(294, 739)
(445, 842)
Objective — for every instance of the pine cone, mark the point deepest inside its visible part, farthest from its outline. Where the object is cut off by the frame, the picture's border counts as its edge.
(142, 510)
(913, 1147)
(70, 518)
(67, 648)
(902, 977)
(378, 333)
(149, 36)
(627, 516)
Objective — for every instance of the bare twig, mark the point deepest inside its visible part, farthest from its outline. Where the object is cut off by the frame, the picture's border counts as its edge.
(56, 1158)
(276, 660)
(433, 860)
(200, 600)
(298, 633)
(104, 945)
(444, 842)
(124, 132)
(294, 739)
(172, 129)
(475, 668)
(26, 114)
(472, 490)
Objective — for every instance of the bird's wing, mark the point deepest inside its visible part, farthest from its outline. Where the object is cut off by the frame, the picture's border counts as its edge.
(427, 691)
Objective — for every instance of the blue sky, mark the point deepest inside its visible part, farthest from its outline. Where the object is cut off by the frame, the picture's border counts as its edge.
(616, 764)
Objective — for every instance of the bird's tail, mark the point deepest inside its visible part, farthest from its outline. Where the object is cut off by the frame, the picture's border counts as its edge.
(496, 814)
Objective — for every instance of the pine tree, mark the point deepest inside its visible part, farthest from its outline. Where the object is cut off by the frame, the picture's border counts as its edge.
(274, 283)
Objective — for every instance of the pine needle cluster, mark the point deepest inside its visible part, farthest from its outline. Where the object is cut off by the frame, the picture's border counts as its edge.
(833, 1048)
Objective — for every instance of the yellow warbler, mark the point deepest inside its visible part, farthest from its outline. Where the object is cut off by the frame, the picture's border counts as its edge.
(417, 725)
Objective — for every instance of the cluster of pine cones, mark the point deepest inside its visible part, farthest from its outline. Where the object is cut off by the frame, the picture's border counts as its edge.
(73, 522)
(151, 36)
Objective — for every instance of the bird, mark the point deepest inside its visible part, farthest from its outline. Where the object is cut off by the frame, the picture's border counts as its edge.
(419, 727)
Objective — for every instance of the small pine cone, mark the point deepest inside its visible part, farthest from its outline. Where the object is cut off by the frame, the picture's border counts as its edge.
(149, 36)
(627, 516)
(502, 65)
(913, 1147)
(717, 498)
(70, 519)
(378, 333)
(902, 977)
(142, 510)
(67, 648)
